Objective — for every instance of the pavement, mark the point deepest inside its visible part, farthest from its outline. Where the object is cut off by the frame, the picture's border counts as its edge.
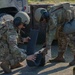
(49, 68)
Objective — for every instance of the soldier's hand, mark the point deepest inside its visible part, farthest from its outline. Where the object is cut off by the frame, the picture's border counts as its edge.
(31, 57)
(26, 39)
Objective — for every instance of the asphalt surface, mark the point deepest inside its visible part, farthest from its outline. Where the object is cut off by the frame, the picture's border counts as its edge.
(49, 68)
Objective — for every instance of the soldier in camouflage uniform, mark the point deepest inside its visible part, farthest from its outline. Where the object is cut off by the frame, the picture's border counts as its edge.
(10, 54)
(56, 17)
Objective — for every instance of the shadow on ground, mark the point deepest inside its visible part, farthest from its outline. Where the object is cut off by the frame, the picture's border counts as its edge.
(37, 70)
(49, 68)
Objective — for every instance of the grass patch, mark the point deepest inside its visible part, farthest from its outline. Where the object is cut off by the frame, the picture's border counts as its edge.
(49, 1)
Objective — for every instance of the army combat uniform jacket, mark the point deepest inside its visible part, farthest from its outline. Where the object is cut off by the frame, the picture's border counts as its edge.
(59, 15)
(8, 44)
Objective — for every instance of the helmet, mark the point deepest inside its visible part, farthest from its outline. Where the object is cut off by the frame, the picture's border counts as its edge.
(21, 17)
(38, 13)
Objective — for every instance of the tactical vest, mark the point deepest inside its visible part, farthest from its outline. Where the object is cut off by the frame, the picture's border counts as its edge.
(63, 12)
(59, 15)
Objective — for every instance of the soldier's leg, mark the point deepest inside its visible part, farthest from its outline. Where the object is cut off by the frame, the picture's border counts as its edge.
(5, 65)
(62, 43)
(72, 46)
(16, 63)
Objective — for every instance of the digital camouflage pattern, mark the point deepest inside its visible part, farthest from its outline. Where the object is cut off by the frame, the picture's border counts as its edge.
(62, 39)
(59, 15)
(8, 44)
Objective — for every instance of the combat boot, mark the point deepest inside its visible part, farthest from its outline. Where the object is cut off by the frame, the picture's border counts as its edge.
(5, 66)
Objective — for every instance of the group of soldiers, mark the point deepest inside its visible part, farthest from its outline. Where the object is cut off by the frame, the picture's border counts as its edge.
(56, 18)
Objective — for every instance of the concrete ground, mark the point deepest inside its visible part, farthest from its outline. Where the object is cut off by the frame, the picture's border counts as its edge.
(49, 68)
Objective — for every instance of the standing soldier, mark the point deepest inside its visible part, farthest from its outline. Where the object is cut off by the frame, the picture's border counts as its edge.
(56, 17)
(10, 54)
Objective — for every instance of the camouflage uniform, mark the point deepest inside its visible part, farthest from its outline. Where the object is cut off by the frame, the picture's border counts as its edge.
(8, 44)
(19, 36)
(55, 26)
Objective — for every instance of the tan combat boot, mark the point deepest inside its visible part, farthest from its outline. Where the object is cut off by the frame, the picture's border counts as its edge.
(5, 66)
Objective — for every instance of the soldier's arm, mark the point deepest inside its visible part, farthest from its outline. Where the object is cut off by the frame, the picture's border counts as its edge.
(50, 31)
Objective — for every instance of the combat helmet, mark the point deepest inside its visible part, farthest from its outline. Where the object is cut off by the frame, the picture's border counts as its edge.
(38, 13)
(21, 17)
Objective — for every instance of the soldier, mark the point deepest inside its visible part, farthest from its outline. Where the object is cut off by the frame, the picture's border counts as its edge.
(56, 17)
(19, 25)
(10, 54)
